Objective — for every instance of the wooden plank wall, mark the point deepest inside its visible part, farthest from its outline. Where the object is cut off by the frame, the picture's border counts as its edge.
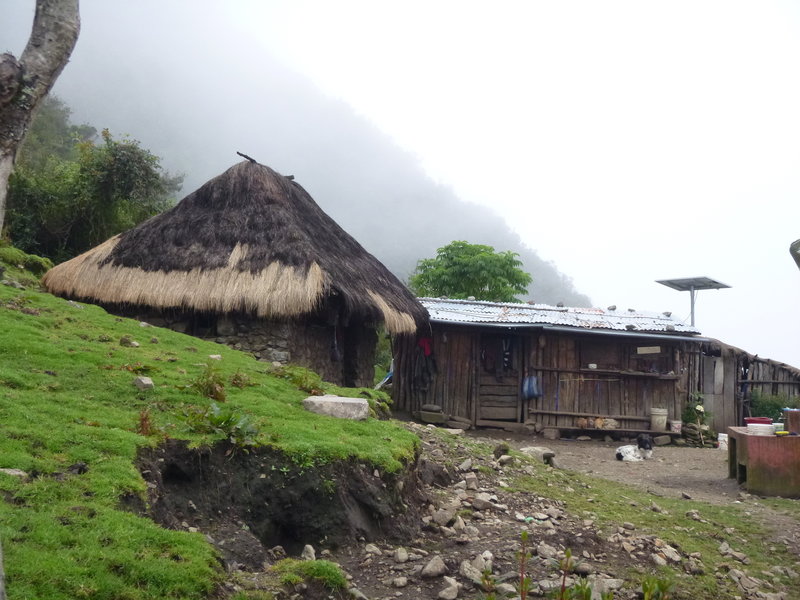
(713, 369)
(452, 387)
(570, 387)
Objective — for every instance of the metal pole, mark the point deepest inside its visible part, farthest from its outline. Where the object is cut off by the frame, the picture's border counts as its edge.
(692, 292)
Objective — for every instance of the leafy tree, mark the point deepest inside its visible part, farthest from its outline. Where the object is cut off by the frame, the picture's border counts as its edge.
(461, 270)
(24, 82)
(69, 194)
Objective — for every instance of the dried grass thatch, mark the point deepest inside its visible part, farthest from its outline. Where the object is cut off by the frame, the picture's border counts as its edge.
(249, 240)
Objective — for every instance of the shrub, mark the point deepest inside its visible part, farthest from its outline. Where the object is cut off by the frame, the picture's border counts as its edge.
(210, 384)
(771, 405)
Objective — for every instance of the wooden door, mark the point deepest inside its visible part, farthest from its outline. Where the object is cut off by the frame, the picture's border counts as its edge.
(499, 372)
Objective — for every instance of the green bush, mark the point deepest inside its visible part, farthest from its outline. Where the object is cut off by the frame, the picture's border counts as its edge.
(771, 405)
(14, 257)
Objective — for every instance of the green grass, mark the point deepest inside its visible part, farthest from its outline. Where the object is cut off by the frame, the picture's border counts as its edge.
(66, 397)
(292, 571)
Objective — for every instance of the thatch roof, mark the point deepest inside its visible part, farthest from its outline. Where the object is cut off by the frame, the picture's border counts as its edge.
(249, 240)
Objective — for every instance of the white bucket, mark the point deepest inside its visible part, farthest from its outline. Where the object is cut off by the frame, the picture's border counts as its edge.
(658, 419)
(676, 426)
(722, 440)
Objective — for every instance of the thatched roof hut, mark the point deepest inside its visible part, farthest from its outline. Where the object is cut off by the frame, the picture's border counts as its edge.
(249, 240)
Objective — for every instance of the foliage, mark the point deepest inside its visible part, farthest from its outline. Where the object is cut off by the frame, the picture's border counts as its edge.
(241, 380)
(17, 258)
(238, 429)
(51, 135)
(69, 194)
(383, 354)
(293, 571)
(300, 377)
(463, 270)
(694, 411)
(656, 588)
(523, 556)
(210, 384)
(771, 405)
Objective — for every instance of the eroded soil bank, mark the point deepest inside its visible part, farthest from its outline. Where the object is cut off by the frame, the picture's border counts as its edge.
(247, 503)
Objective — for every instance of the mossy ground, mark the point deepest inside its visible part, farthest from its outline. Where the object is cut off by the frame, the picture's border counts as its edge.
(72, 419)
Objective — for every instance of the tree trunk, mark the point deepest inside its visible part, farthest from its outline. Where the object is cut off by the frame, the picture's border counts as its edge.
(23, 84)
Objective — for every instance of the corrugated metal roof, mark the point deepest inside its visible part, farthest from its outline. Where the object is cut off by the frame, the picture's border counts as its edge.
(532, 315)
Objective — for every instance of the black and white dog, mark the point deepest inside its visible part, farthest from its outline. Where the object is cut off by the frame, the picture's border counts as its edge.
(641, 451)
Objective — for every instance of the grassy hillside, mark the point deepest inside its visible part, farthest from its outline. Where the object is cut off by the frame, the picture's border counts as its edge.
(72, 420)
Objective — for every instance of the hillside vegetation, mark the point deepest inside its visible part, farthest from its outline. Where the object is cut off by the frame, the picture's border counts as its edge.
(72, 423)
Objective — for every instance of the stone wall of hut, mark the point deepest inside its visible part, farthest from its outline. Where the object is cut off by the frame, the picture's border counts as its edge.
(340, 355)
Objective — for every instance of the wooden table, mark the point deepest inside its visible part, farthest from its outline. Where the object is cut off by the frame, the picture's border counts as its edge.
(766, 465)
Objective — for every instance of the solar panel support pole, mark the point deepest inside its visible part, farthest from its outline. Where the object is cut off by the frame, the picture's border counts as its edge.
(693, 285)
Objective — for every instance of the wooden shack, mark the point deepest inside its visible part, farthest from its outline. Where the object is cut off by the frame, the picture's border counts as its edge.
(585, 363)
(570, 368)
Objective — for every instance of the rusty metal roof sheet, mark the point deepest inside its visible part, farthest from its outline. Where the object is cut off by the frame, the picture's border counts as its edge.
(543, 315)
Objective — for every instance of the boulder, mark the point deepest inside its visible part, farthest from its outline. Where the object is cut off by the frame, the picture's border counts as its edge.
(354, 409)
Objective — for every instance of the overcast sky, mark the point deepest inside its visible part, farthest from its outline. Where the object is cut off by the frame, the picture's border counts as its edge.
(624, 141)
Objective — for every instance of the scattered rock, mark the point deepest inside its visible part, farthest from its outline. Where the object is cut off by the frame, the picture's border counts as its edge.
(308, 553)
(143, 383)
(551, 433)
(401, 555)
(354, 409)
(501, 449)
(373, 549)
(468, 571)
(434, 568)
(215, 356)
(450, 592)
(14, 473)
(444, 516)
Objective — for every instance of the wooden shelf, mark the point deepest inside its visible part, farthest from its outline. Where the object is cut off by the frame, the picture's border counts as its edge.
(560, 413)
(617, 372)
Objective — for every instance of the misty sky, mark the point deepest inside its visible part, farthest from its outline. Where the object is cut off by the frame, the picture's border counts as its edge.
(623, 141)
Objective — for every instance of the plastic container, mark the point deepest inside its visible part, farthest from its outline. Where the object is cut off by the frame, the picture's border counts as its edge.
(676, 426)
(658, 419)
(760, 429)
(722, 441)
(777, 426)
(763, 420)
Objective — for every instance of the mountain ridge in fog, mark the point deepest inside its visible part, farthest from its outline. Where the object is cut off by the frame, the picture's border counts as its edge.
(194, 104)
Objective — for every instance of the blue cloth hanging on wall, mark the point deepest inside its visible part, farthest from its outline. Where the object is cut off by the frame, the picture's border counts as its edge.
(531, 388)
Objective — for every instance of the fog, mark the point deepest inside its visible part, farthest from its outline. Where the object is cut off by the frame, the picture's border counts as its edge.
(621, 144)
